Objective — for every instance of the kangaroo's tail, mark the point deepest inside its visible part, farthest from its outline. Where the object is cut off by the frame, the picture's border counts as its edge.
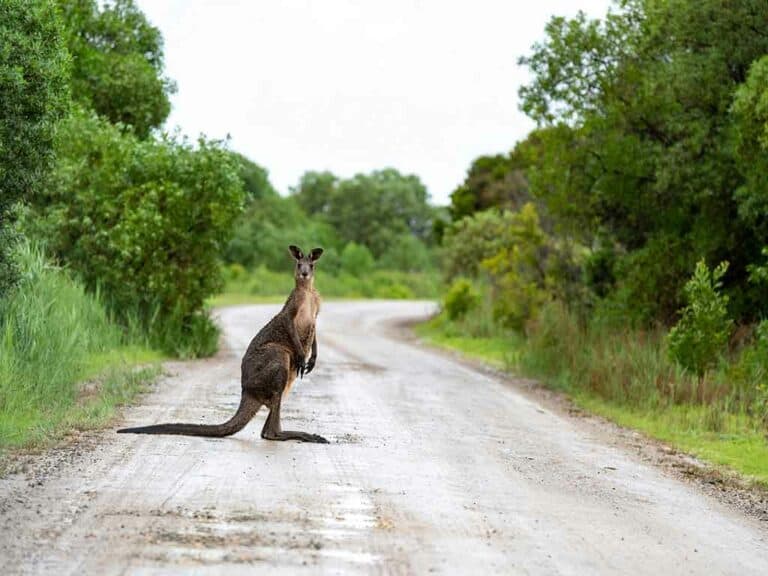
(247, 410)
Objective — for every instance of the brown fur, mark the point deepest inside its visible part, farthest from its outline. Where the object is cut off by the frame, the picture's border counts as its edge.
(274, 358)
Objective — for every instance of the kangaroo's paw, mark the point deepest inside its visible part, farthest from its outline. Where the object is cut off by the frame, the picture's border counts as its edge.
(293, 435)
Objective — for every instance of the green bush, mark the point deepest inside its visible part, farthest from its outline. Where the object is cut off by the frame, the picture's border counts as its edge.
(235, 272)
(748, 375)
(406, 253)
(702, 332)
(33, 96)
(268, 226)
(518, 268)
(356, 260)
(144, 221)
(460, 299)
(395, 292)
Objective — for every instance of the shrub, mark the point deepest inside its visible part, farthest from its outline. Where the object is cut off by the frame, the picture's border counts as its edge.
(395, 291)
(461, 298)
(235, 272)
(356, 259)
(406, 253)
(145, 221)
(518, 269)
(702, 332)
(33, 85)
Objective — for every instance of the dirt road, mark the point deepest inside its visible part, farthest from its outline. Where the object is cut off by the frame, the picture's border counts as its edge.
(432, 468)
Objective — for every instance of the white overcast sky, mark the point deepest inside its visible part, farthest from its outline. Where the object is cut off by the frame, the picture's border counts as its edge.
(424, 86)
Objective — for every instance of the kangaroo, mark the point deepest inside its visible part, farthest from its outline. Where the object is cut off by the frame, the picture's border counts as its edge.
(275, 357)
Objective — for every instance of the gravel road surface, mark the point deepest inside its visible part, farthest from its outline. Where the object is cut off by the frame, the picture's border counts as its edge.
(433, 467)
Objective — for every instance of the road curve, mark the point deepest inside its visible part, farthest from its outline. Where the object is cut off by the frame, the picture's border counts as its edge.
(432, 468)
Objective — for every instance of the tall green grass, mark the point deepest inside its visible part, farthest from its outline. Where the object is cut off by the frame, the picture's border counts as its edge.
(54, 335)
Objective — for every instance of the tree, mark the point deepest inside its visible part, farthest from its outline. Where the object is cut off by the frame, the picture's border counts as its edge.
(637, 151)
(376, 208)
(356, 260)
(700, 336)
(492, 182)
(256, 184)
(117, 58)
(33, 85)
(269, 225)
(144, 221)
(315, 191)
(407, 253)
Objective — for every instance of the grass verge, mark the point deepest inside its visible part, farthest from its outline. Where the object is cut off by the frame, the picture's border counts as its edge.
(64, 364)
(731, 439)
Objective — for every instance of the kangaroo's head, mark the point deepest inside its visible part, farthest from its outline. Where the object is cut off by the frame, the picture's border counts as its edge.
(305, 264)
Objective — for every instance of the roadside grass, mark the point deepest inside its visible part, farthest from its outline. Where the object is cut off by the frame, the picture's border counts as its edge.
(264, 286)
(624, 378)
(64, 364)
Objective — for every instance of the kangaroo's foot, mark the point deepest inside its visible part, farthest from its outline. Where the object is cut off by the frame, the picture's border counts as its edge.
(273, 431)
(293, 435)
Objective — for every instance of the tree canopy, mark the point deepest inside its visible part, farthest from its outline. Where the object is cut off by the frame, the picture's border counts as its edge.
(117, 58)
(645, 141)
(34, 68)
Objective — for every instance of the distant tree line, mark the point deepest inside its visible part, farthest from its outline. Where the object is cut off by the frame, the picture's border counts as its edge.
(379, 219)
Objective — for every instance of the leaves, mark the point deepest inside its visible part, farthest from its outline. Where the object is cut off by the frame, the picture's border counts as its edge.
(145, 221)
(33, 96)
(700, 336)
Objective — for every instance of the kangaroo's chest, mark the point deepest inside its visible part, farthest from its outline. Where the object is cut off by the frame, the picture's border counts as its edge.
(306, 315)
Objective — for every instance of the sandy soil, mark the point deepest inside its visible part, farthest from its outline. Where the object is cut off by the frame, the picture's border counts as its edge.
(433, 467)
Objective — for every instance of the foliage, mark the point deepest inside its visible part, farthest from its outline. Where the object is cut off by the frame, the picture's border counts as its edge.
(51, 332)
(492, 181)
(750, 115)
(384, 212)
(144, 221)
(460, 299)
(117, 58)
(269, 225)
(33, 82)
(634, 149)
(407, 253)
(256, 184)
(315, 191)
(701, 335)
(356, 260)
(472, 240)
(374, 209)
(524, 266)
(518, 270)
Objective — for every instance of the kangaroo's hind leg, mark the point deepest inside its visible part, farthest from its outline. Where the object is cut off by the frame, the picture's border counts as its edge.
(273, 431)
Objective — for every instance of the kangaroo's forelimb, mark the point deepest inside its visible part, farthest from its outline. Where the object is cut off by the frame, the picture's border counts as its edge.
(313, 356)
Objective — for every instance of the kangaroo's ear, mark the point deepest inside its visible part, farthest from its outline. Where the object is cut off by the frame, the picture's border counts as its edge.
(315, 254)
(296, 252)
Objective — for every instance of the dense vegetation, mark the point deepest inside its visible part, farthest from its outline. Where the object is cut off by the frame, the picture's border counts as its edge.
(33, 84)
(618, 251)
(376, 230)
